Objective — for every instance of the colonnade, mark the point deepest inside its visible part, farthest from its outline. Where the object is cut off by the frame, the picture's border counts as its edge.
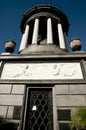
(25, 36)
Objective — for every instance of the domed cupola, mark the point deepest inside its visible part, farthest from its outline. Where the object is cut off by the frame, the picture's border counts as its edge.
(44, 30)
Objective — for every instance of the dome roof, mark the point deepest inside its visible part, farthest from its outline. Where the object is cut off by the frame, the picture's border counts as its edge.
(45, 10)
(42, 49)
(42, 13)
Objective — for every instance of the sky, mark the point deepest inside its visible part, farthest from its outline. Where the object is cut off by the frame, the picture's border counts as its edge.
(11, 12)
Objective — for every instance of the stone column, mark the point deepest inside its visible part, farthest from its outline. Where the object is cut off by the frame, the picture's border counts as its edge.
(24, 41)
(61, 37)
(66, 40)
(35, 31)
(49, 31)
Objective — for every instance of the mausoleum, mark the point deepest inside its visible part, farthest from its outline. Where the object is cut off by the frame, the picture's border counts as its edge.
(43, 84)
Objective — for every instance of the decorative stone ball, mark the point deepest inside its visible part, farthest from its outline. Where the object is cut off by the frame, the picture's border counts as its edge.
(10, 46)
(75, 44)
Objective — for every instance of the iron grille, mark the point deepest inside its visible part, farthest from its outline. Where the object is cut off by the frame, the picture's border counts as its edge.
(40, 110)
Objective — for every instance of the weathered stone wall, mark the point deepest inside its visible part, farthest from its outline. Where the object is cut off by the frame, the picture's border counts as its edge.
(70, 95)
(11, 100)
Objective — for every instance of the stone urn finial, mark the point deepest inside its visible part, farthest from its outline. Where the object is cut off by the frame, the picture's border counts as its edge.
(75, 44)
(10, 46)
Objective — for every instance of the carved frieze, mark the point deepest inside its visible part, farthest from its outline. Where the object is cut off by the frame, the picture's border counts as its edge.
(45, 71)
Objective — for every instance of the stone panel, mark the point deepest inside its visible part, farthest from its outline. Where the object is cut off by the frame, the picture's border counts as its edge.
(63, 100)
(10, 112)
(5, 88)
(77, 89)
(71, 100)
(3, 111)
(61, 89)
(78, 100)
(18, 89)
(11, 100)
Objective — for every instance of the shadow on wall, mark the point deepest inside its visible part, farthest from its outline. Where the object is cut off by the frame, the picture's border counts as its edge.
(4, 125)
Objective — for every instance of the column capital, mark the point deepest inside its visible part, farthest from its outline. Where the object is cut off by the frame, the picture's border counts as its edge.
(49, 16)
(59, 21)
(38, 17)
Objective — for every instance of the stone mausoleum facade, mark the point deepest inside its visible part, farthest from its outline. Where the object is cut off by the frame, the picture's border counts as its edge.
(42, 85)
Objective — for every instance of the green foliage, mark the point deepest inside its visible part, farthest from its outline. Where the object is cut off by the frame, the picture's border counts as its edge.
(78, 119)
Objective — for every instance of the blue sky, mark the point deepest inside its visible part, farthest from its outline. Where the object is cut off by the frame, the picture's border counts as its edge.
(11, 12)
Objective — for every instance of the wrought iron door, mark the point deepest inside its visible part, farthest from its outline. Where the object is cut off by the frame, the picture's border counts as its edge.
(39, 109)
